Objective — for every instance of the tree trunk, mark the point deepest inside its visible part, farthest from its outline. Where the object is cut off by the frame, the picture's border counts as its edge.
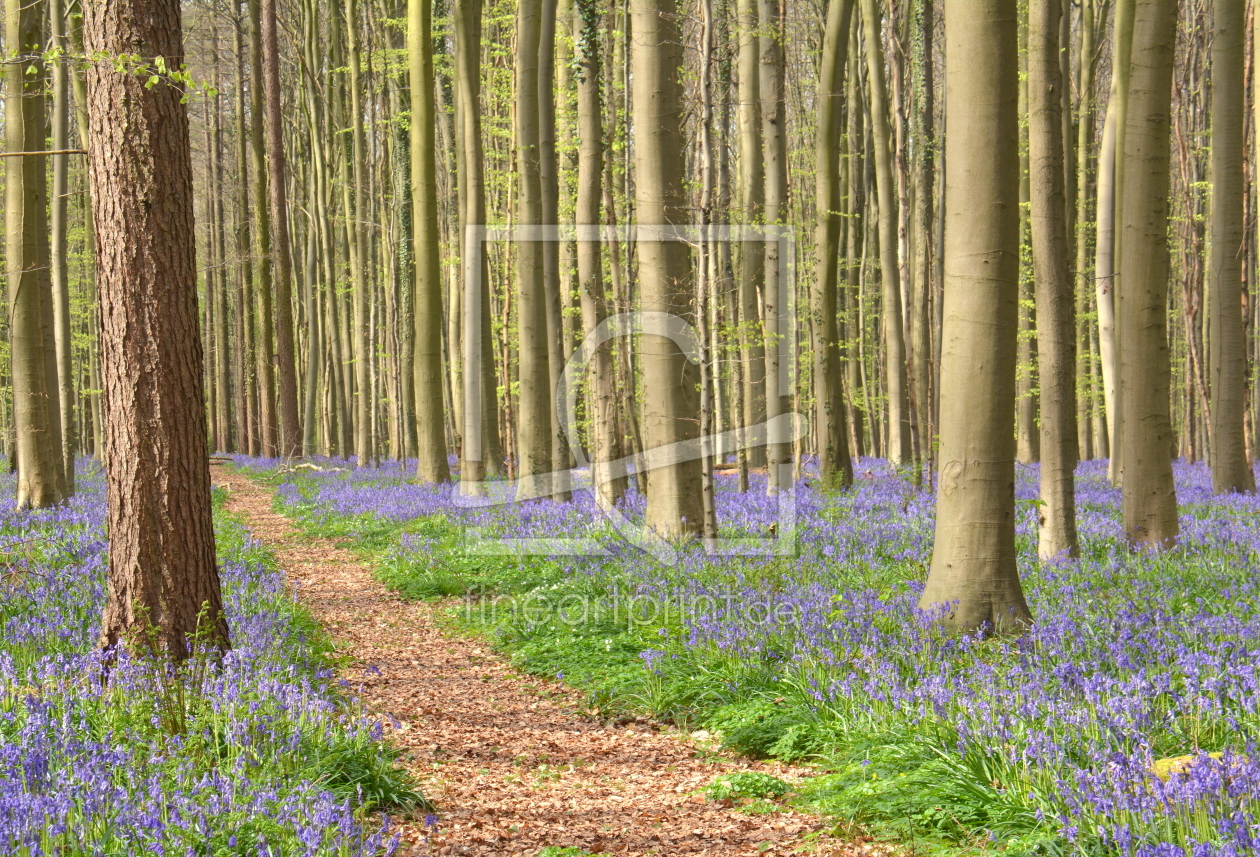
(775, 295)
(432, 465)
(1149, 500)
(163, 583)
(1056, 323)
(37, 423)
(290, 432)
(264, 325)
(669, 380)
(363, 440)
(607, 480)
(60, 270)
(894, 332)
(247, 398)
(751, 275)
(535, 420)
(1231, 471)
(835, 467)
(974, 580)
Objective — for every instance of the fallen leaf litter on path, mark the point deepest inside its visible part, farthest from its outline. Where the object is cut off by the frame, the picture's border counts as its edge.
(511, 762)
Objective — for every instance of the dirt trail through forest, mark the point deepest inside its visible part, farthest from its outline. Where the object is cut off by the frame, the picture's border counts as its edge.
(511, 762)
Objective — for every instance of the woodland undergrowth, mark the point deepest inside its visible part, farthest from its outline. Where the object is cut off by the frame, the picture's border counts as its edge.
(1124, 722)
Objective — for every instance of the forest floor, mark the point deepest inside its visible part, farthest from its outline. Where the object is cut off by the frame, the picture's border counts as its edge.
(512, 762)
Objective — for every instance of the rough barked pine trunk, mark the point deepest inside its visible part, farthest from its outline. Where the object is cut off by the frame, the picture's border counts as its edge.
(835, 467)
(607, 478)
(37, 418)
(1056, 322)
(290, 432)
(431, 465)
(974, 580)
(534, 418)
(670, 401)
(163, 585)
(1231, 471)
(1149, 499)
(896, 381)
(485, 457)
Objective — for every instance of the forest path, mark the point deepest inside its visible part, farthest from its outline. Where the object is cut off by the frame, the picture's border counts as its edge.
(511, 762)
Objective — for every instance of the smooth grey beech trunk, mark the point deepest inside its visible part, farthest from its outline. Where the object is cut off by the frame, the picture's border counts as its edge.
(431, 465)
(37, 419)
(836, 468)
(670, 400)
(896, 381)
(974, 581)
(1056, 322)
(1149, 499)
(534, 420)
(607, 479)
(1231, 471)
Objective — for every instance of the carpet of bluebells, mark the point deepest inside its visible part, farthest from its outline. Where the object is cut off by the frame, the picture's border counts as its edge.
(1125, 722)
(238, 758)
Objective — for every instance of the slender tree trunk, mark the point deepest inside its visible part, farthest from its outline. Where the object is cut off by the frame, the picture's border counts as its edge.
(1056, 324)
(835, 467)
(669, 380)
(290, 433)
(894, 332)
(1086, 403)
(60, 269)
(1122, 48)
(535, 420)
(357, 236)
(607, 479)
(1027, 438)
(1149, 500)
(751, 273)
(37, 424)
(548, 174)
(775, 295)
(163, 585)
(973, 578)
(1231, 471)
(248, 431)
(432, 465)
(264, 326)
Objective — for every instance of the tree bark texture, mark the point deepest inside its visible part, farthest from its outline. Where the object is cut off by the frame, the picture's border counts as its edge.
(36, 410)
(1231, 471)
(1055, 298)
(670, 401)
(835, 466)
(1149, 500)
(973, 578)
(163, 583)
